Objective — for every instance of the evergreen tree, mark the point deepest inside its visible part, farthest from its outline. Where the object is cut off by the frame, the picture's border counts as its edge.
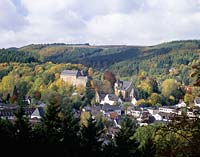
(89, 93)
(91, 138)
(51, 124)
(22, 126)
(70, 129)
(125, 146)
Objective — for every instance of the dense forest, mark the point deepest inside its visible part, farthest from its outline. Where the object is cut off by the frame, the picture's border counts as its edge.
(167, 60)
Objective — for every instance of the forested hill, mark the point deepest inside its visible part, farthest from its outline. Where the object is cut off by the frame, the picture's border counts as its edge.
(123, 60)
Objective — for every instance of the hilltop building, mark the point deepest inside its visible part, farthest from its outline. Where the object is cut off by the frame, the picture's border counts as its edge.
(74, 77)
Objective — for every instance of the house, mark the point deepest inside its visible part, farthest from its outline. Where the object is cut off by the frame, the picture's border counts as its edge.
(107, 109)
(157, 117)
(74, 77)
(167, 116)
(144, 116)
(7, 106)
(124, 89)
(197, 101)
(38, 113)
(152, 110)
(7, 114)
(168, 109)
(181, 104)
(132, 111)
(111, 99)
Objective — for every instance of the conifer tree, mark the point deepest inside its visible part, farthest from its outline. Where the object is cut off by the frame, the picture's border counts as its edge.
(91, 138)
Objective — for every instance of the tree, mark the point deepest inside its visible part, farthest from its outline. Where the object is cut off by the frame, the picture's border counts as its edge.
(91, 138)
(154, 84)
(6, 132)
(70, 129)
(22, 127)
(109, 76)
(7, 85)
(145, 86)
(168, 87)
(155, 98)
(37, 95)
(84, 118)
(196, 74)
(89, 93)
(145, 137)
(51, 122)
(188, 98)
(125, 146)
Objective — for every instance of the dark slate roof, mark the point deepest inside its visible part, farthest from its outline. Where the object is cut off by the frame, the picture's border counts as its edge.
(96, 109)
(69, 72)
(6, 113)
(102, 96)
(125, 84)
(10, 112)
(167, 115)
(113, 97)
(7, 106)
(107, 107)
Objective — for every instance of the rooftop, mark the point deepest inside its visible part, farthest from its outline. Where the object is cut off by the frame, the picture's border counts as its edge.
(112, 97)
(108, 107)
(69, 72)
(123, 85)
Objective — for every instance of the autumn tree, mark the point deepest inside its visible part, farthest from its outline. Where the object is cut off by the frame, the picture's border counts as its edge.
(170, 87)
(196, 74)
(155, 98)
(109, 76)
(7, 85)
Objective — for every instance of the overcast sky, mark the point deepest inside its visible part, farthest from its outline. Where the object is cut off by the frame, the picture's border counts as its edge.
(131, 22)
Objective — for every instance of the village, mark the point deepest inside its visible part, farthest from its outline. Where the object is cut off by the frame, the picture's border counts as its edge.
(111, 106)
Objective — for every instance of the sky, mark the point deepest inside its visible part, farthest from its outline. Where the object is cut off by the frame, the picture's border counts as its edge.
(98, 22)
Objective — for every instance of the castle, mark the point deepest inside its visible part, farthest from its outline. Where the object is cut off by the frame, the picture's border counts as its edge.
(74, 77)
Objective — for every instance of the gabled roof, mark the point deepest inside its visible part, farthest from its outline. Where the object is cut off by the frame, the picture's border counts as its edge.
(124, 84)
(69, 72)
(7, 106)
(112, 97)
(38, 112)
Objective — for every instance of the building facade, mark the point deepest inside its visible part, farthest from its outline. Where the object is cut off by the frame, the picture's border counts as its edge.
(74, 77)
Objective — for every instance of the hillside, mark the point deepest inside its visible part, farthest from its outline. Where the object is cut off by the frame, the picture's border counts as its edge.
(125, 61)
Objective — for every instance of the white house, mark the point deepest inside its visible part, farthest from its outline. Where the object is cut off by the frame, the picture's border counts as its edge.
(157, 117)
(181, 104)
(168, 109)
(111, 99)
